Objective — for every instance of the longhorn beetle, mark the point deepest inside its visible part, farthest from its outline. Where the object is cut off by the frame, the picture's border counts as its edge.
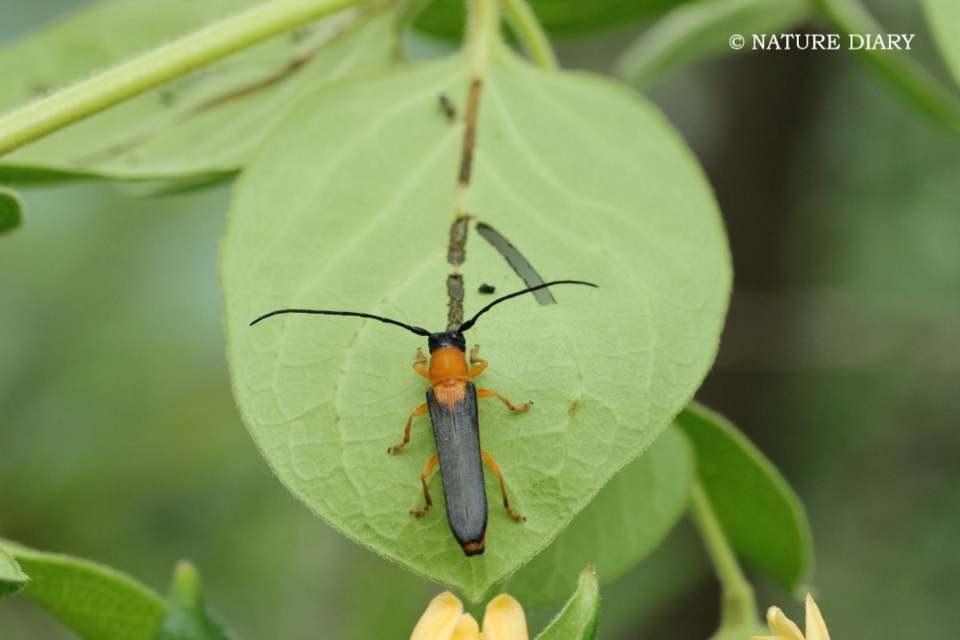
(452, 404)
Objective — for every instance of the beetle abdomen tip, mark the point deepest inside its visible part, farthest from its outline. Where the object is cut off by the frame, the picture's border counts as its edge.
(474, 548)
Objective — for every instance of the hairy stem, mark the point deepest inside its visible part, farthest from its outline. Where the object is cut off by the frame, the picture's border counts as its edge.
(523, 21)
(158, 66)
(739, 607)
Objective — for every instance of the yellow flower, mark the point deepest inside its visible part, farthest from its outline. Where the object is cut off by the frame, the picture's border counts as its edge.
(444, 619)
(785, 629)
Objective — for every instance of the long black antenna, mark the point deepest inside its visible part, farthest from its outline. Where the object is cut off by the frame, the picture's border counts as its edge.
(472, 321)
(324, 312)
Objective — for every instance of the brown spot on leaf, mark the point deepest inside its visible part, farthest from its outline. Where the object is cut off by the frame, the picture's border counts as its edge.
(470, 132)
(455, 301)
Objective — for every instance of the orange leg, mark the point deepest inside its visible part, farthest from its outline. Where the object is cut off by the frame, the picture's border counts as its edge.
(477, 364)
(495, 470)
(420, 364)
(515, 408)
(427, 469)
(419, 411)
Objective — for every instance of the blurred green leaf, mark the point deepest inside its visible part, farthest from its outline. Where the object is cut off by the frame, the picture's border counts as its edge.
(317, 221)
(760, 514)
(626, 521)
(675, 569)
(11, 210)
(94, 601)
(187, 615)
(204, 125)
(579, 618)
(702, 29)
(944, 19)
(12, 577)
(445, 18)
(901, 72)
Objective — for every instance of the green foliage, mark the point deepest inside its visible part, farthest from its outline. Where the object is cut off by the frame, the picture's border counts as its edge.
(899, 70)
(12, 577)
(688, 36)
(559, 17)
(746, 632)
(99, 603)
(204, 125)
(579, 617)
(94, 601)
(367, 170)
(11, 208)
(187, 615)
(701, 29)
(760, 515)
(630, 516)
(944, 19)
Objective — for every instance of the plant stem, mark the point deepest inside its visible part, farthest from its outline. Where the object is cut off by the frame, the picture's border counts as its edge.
(900, 70)
(524, 23)
(157, 66)
(739, 607)
(483, 31)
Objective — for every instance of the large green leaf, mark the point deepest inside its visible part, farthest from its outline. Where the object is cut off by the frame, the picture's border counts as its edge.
(702, 29)
(560, 17)
(759, 512)
(204, 125)
(349, 206)
(11, 208)
(96, 602)
(12, 577)
(579, 618)
(630, 516)
(944, 19)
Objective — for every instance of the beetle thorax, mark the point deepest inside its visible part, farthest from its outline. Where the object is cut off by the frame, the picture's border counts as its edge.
(448, 365)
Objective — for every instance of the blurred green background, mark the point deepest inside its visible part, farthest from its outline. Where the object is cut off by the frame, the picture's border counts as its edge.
(119, 440)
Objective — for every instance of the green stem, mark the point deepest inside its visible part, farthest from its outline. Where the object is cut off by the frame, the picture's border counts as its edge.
(899, 69)
(739, 606)
(483, 32)
(157, 66)
(524, 23)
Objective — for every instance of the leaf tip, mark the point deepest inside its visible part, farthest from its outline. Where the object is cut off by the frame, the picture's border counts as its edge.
(185, 589)
(11, 210)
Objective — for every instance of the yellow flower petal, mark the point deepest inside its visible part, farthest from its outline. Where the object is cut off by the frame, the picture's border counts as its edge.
(440, 619)
(815, 626)
(504, 620)
(782, 625)
(466, 629)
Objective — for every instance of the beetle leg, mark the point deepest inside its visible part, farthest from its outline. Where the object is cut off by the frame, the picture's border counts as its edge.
(419, 411)
(514, 408)
(420, 364)
(427, 468)
(495, 470)
(477, 364)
